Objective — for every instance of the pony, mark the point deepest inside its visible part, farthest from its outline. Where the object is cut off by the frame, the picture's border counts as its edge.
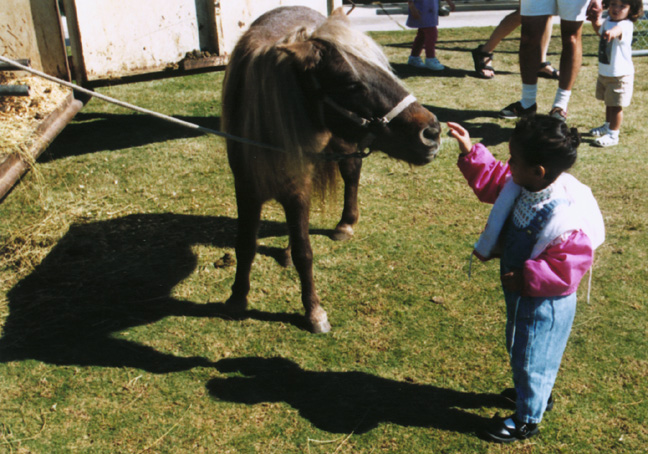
(313, 94)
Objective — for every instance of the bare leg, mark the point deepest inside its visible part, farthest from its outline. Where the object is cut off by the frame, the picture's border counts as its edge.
(571, 57)
(546, 39)
(503, 29)
(614, 116)
(533, 29)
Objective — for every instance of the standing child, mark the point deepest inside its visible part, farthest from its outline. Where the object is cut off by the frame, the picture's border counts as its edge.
(616, 71)
(424, 15)
(544, 226)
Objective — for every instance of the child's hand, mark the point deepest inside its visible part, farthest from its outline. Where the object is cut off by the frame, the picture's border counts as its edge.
(463, 138)
(513, 281)
(614, 32)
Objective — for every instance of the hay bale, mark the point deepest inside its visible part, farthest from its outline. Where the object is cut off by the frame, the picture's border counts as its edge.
(20, 116)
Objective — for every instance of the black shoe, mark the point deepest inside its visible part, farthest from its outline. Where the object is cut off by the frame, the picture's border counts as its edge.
(516, 110)
(506, 430)
(511, 396)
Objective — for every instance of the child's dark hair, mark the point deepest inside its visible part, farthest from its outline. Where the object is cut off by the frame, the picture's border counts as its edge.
(636, 8)
(547, 142)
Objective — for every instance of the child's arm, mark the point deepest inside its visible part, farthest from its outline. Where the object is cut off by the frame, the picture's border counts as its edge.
(484, 174)
(558, 269)
(451, 4)
(614, 32)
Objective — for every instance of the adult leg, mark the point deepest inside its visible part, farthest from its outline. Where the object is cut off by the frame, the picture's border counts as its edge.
(483, 54)
(533, 29)
(530, 56)
(503, 29)
(571, 59)
(546, 70)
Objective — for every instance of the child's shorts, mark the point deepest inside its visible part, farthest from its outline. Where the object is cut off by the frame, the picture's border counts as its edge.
(570, 10)
(615, 91)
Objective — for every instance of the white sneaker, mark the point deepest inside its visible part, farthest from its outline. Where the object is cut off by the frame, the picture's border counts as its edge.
(434, 64)
(608, 140)
(600, 131)
(415, 61)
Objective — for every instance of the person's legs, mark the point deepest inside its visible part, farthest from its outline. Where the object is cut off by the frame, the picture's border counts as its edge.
(417, 47)
(503, 29)
(419, 42)
(614, 116)
(431, 36)
(542, 330)
(546, 70)
(572, 14)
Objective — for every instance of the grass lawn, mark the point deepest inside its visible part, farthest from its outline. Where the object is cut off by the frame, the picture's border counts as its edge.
(112, 281)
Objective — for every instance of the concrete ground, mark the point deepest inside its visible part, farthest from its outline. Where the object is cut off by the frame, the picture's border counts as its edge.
(392, 16)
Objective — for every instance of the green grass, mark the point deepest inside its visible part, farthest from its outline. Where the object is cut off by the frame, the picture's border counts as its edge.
(113, 339)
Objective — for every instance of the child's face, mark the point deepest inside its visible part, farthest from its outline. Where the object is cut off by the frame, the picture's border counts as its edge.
(618, 10)
(528, 176)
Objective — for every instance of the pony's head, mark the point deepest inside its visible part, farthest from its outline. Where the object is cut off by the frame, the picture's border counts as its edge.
(349, 82)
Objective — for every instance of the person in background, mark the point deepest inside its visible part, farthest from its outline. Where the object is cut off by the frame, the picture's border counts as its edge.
(483, 54)
(544, 226)
(616, 71)
(424, 16)
(535, 14)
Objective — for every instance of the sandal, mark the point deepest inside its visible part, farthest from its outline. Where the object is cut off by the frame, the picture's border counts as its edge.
(481, 60)
(554, 73)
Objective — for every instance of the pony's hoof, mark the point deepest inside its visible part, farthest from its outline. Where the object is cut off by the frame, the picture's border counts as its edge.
(319, 322)
(236, 306)
(342, 232)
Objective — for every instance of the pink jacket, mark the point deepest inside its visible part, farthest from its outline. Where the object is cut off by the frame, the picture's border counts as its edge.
(559, 268)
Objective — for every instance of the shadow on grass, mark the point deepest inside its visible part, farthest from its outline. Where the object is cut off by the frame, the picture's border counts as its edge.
(488, 133)
(103, 278)
(93, 132)
(346, 402)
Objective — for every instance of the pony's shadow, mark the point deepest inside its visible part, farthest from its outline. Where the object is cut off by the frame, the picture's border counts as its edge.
(349, 402)
(104, 278)
(119, 131)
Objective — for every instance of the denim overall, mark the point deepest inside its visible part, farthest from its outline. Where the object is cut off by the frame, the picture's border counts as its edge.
(537, 328)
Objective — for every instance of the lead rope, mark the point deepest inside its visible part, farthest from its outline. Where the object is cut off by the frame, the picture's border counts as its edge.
(126, 105)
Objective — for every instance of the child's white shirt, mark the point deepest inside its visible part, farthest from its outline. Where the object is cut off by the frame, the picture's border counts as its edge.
(618, 51)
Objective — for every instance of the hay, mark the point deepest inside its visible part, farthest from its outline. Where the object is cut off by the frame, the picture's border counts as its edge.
(20, 116)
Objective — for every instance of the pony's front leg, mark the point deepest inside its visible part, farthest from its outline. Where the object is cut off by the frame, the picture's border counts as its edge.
(350, 171)
(249, 217)
(297, 216)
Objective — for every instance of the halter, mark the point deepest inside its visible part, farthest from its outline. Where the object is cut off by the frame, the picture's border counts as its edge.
(371, 124)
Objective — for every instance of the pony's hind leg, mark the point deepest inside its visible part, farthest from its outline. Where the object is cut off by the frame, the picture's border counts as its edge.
(297, 209)
(249, 217)
(350, 171)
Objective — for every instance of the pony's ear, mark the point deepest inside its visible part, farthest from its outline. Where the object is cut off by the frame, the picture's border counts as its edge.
(338, 12)
(306, 53)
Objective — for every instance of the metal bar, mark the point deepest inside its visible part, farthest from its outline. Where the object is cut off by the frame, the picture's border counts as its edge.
(14, 90)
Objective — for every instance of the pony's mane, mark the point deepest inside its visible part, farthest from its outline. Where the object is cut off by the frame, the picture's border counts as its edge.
(337, 31)
(262, 100)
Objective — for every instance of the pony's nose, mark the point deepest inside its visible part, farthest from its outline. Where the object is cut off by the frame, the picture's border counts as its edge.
(430, 136)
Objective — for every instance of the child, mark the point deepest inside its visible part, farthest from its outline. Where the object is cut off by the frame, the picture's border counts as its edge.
(616, 71)
(544, 226)
(424, 15)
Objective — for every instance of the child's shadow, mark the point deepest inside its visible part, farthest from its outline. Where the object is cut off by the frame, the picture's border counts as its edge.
(345, 402)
